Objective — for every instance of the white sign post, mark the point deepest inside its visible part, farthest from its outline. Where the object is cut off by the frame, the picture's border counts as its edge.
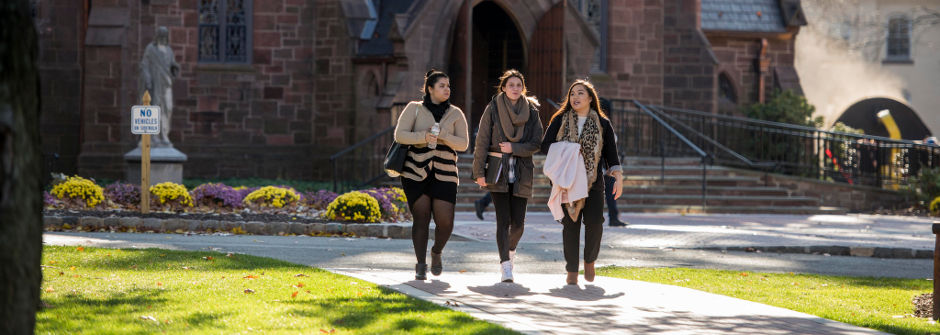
(145, 121)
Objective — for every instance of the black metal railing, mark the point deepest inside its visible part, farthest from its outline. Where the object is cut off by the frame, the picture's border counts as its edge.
(806, 151)
(642, 132)
(360, 164)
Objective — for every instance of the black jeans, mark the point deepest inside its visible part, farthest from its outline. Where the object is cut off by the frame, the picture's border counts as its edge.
(592, 215)
(510, 221)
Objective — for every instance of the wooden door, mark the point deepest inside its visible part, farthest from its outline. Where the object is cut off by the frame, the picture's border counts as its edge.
(546, 60)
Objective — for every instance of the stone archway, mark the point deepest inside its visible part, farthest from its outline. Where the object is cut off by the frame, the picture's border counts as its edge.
(863, 115)
(496, 45)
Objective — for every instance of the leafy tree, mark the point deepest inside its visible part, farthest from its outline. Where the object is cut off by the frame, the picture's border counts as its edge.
(786, 107)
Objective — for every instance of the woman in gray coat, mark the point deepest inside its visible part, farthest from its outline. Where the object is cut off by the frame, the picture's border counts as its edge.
(510, 132)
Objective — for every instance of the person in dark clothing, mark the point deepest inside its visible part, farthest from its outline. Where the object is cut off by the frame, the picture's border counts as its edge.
(613, 213)
(509, 134)
(581, 120)
(481, 204)
(436, 131)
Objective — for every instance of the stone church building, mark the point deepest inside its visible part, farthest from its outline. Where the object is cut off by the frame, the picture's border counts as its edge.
(272, 88)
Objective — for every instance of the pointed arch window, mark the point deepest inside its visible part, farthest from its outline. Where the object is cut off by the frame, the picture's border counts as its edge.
(225, 31)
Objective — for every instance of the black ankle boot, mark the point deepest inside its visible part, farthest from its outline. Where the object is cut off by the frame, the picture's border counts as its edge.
(437, 266)
(421, 271)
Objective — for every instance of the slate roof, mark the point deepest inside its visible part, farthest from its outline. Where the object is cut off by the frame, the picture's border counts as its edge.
(742, 16)
(379, 44)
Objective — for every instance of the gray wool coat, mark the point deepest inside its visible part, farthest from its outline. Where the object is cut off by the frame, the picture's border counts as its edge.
(488, 138)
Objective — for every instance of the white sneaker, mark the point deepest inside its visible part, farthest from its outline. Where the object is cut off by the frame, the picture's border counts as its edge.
(506, 271)
(512, 259)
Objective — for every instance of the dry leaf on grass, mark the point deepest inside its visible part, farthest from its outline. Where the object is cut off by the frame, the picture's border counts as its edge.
(248, 291)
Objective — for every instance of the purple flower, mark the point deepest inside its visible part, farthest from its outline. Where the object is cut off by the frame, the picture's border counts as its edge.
(392, 209)
(319, 199)
(123, 194)
(218, 194)
(47, 199)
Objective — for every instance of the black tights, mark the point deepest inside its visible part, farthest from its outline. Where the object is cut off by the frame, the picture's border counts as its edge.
(421, 211)
(510, 221)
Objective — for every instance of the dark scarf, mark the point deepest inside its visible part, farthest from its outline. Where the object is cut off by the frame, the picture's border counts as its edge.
(437, 110)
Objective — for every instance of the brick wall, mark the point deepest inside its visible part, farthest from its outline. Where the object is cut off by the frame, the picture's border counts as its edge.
(248, 120)
(737, 58)
(335, 109)
(107, 74)
(688, 70)
(635, 51)
(60, 26)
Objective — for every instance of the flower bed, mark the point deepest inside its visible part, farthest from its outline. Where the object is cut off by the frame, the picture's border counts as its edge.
(365, 206)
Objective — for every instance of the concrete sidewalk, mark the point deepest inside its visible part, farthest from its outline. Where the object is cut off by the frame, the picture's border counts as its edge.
(543, 304)
(851, 234)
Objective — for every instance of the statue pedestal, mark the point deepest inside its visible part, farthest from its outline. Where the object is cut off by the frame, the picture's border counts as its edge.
(166, 164)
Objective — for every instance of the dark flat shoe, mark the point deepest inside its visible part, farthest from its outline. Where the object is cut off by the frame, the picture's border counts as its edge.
(421, 271)
(618, 223)
(479, 208)
(437, 266)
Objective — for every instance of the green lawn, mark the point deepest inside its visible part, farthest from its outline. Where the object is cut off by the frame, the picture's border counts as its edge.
(91, 290)
(878, 303)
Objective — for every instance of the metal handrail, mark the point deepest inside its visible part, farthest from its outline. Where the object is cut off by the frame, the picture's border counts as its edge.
(705, 157)
(368, 140)
(366, 156)
(788, 126)
(809, 152)
(678, 135)
(735, 154)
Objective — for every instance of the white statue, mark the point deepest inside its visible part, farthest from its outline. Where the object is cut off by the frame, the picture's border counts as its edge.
(158, 67)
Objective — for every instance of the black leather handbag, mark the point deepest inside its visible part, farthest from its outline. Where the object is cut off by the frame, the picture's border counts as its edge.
(395, 159)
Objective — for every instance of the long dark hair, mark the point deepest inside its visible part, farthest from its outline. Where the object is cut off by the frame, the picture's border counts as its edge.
(430, 79)
(595, 102)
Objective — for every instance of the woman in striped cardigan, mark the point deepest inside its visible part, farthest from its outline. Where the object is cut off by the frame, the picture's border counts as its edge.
(429, 177)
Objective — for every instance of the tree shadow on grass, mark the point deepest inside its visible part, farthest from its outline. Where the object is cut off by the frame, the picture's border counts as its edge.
(390, 309)
(131, 303)
(161, 259)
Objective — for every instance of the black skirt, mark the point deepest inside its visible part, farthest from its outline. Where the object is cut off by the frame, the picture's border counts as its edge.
(430, 186)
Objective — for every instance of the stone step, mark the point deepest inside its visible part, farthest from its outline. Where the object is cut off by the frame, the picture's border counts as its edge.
(673, 199)
(692, 209)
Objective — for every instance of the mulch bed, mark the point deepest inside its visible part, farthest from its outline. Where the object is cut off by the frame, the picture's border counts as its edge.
(923, 305)
(262, 217)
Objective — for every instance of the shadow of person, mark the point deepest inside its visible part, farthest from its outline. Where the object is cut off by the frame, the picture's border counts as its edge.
(432, 286)
(502, 290)
(588, 293)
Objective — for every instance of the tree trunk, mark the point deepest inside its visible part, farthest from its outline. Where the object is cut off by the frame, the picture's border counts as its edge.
(20, 171)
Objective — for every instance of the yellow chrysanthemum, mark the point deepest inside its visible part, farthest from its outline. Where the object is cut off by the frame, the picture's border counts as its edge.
(76, 187)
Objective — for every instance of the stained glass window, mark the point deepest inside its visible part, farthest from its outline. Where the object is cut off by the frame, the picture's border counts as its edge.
(224, 31)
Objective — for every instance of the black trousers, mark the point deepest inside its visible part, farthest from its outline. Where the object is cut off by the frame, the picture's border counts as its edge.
(592, 216)
(510, 221)
(612, 210)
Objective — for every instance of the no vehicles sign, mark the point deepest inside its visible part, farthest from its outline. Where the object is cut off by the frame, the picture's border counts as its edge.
(145, 120)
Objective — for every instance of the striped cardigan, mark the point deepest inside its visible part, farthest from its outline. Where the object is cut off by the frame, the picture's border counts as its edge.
(413, 124)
